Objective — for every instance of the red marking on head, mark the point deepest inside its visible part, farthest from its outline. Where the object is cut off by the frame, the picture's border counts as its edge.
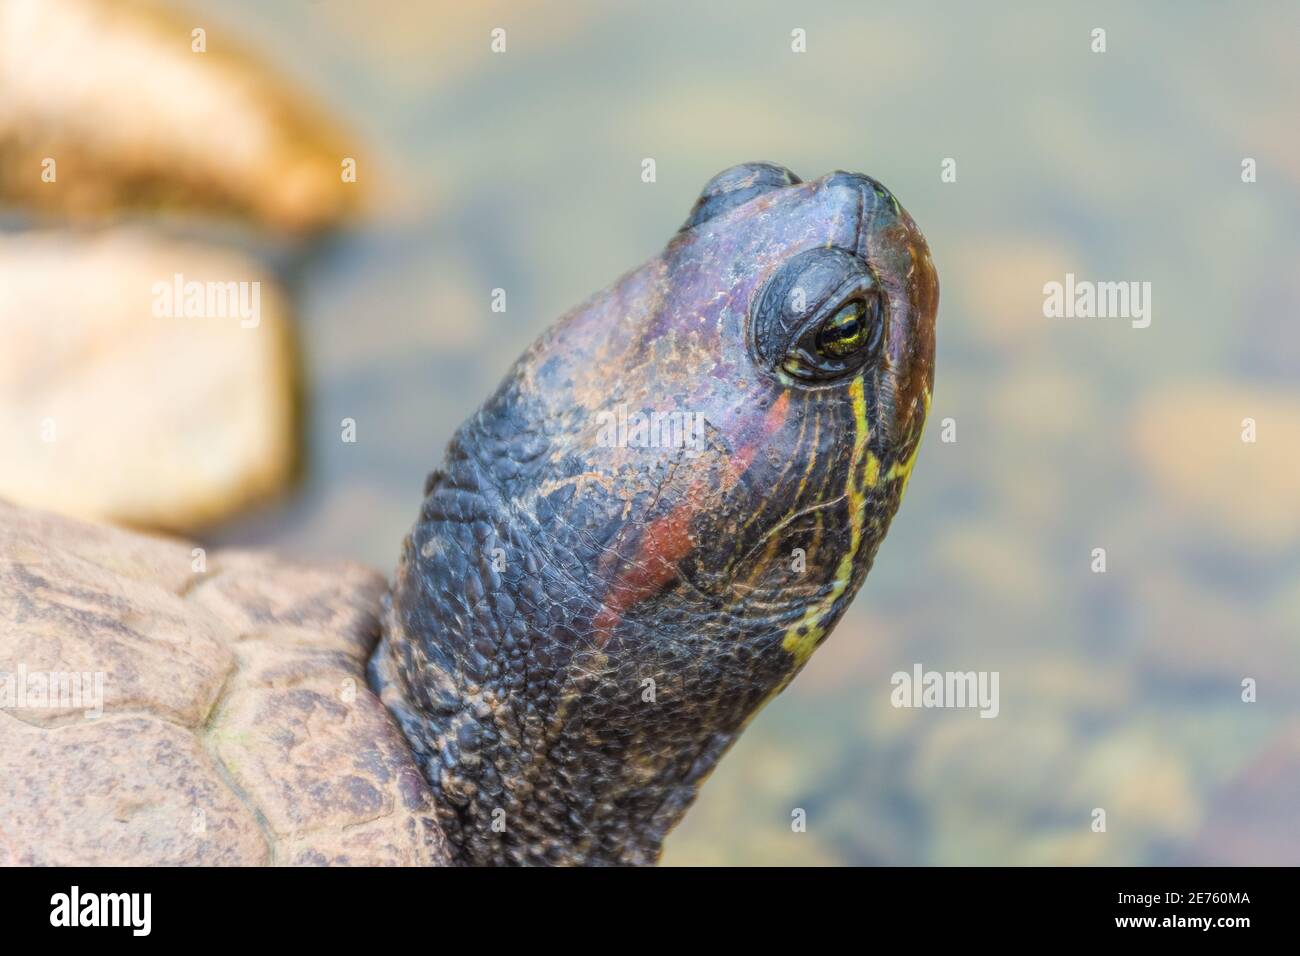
(663, 544)
(666, 541)
(776, 414)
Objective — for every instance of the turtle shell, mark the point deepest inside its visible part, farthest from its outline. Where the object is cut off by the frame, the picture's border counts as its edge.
(232, 722)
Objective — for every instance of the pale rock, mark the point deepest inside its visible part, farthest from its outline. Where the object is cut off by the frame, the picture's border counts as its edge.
(110, 412)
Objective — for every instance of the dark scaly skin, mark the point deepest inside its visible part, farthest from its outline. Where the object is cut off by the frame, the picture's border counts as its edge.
(549, 578)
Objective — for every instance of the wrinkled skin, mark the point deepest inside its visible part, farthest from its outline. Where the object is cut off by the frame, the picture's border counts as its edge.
(582, 625)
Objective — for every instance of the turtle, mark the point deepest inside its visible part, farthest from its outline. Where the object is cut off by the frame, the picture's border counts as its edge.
(634, 544)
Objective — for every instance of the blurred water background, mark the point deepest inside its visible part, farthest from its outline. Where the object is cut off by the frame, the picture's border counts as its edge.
(1120, 690)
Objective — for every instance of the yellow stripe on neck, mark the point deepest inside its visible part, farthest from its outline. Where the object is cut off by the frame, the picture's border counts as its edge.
(802, 639)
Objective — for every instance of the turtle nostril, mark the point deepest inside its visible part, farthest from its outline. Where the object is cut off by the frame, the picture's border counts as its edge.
(847, 180)
(859, 181)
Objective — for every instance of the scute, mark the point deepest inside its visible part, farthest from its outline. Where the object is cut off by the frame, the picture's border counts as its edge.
(237, 725)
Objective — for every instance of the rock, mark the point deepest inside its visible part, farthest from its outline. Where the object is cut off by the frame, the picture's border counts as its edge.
(1188, 439)
(1142, 783)
(1006, 770)
(134, 118)
(1022, 789)
(111, 412)
(1000, 280)
(1253, 820)
(1200, 635)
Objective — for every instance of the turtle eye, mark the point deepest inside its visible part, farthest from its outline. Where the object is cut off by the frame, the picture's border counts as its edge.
(845, 332)
(820, 316)
(842, 337)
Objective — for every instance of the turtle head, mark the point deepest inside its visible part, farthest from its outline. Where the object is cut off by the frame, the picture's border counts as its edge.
(662, 512)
